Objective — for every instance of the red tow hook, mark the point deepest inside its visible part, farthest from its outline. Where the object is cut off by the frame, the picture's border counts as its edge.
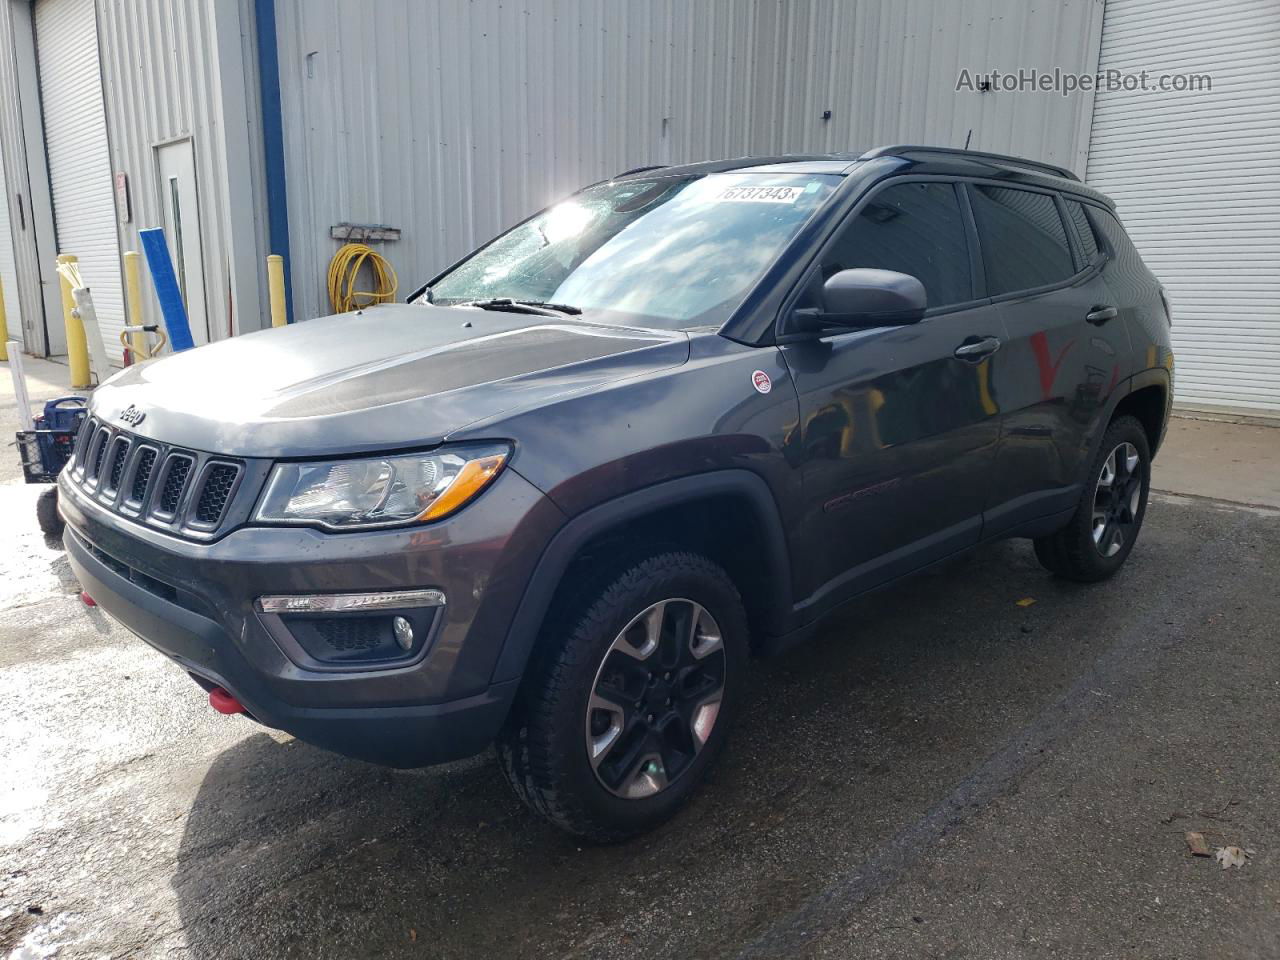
(224, 702)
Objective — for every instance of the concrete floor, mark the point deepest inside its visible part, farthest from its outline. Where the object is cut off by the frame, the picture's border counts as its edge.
(945, 772)
(1221, 459)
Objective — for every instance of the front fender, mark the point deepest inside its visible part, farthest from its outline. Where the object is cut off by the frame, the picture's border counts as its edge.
(565, 545)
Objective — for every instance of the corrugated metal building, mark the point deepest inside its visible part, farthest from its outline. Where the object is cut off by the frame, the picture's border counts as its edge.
(452, 119)
(182, 103)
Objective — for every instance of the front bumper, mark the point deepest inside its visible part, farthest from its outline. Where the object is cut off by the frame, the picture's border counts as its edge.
(194, 603)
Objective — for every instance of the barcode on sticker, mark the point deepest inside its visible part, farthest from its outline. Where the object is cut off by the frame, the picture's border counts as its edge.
(761, 194)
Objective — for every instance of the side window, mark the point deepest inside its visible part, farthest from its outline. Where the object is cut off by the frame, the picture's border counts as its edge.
(913, 228)
(1116, 237)
(1088, 242)
(1024, 241)
(1129, 271)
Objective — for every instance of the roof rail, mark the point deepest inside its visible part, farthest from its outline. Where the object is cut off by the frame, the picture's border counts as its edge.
(627, 173)
(902, 150)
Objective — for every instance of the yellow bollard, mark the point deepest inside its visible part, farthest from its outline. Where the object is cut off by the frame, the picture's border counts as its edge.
(77, 343)
(133, 290)
(4, 327)
(275, 288)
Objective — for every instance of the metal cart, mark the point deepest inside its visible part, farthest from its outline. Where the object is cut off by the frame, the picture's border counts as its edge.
(47, 446)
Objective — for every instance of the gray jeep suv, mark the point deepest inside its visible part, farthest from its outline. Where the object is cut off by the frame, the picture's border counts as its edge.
(559, 497)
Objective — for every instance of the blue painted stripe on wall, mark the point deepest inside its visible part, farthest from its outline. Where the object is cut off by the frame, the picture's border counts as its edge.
(273, 141)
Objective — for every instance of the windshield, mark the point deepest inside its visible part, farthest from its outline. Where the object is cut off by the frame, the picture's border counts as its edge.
(675, 253)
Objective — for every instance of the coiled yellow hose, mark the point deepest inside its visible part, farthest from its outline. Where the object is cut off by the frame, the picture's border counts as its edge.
(344, 269)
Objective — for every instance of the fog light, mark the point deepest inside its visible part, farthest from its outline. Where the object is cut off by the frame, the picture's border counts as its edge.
(403, 630)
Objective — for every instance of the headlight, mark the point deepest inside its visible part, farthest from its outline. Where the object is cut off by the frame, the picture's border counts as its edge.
(380, 491)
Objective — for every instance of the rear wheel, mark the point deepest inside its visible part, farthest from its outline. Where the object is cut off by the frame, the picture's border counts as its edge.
(630, 699)
(1097, 541)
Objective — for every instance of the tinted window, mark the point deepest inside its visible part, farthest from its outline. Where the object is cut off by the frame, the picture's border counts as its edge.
(1084, 231)
(1116, 237)
(1024, 242)
(1127, 271)
(913, 228)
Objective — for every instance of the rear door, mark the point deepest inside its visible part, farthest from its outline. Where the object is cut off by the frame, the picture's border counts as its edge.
(898, 434)
(1065, 351)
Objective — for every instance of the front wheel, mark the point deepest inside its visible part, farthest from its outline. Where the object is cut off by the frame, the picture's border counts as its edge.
(630, 698)
(47, 517)
(1097, 540)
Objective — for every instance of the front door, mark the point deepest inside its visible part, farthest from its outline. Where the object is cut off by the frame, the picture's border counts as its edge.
(898, 432)
(179, 202)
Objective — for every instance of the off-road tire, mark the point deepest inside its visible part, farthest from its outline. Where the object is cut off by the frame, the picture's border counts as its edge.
(1071, 553)
(51, 524)
(542, 747)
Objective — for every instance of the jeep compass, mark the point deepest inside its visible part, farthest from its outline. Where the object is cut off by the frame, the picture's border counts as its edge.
(559, 498)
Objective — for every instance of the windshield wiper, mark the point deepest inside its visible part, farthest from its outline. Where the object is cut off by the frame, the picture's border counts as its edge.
(540, 307)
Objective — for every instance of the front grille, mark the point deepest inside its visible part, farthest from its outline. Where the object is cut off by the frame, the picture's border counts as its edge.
(219, 481)
(177, 470)
(99, 453)
(142, 471)
(183, 491)
(119, 456)
(88, 430)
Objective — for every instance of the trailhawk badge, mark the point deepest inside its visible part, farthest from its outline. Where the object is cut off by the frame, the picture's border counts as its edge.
(760, 380)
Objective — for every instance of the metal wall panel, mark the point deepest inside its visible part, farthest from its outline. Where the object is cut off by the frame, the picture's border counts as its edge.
(164, 81)
(455, 119)
(1196, 179)
(12, 158)
(30, 201)
(26, 312)
(9, 268)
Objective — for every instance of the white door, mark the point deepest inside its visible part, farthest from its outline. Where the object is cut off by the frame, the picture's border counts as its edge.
(75, 131)
(180, 203)
(1196, 180)
(9, 268)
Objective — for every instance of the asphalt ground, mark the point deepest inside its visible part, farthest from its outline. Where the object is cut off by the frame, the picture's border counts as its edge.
(982, 762)
(947, 771)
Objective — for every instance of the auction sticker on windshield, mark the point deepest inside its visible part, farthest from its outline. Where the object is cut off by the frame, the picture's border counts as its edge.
(762, 194)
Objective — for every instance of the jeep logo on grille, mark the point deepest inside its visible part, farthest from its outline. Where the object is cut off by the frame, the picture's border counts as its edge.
(132, 415)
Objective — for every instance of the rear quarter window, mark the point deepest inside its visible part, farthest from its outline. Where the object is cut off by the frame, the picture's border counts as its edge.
(1084, 230)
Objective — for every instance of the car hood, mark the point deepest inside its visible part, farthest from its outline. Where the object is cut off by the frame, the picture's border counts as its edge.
(393, 376)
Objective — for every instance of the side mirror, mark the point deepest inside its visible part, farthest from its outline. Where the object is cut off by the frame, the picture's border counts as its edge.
(864, 298)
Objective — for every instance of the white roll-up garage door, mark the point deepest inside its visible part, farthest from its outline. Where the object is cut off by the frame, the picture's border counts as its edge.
(75, 130)
(1196, 180)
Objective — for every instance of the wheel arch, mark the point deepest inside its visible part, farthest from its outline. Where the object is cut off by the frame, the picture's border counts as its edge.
(1148, 400)
(1147, 396)
(728, 515)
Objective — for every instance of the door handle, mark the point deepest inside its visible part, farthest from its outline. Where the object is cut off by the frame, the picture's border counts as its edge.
(974, 349)
(1100, 315)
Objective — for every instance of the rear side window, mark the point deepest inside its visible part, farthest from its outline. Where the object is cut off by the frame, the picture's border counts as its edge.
(1117, 239)
(1024, 241)
(1088, 242)
(913, 228)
